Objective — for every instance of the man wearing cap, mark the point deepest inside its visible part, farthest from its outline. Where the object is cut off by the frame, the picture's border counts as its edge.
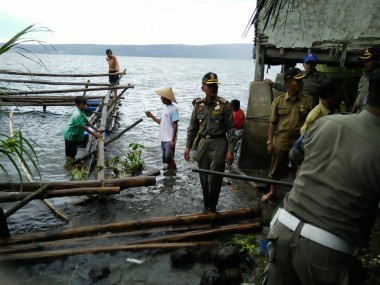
(312, 80)
(371, 59)
(288, 113)
(168, 126)
(330, 211)
(212, 117)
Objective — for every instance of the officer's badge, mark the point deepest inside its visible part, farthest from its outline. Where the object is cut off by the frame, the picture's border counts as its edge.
(217, 108)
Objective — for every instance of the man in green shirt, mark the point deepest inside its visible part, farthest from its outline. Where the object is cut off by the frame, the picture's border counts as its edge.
(74, 132)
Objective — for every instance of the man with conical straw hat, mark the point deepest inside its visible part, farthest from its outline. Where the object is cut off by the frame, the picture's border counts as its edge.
(168, 126)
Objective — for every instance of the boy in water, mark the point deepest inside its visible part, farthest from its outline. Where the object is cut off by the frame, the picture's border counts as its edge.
(168, 126)
(74, 132)
(113, 67)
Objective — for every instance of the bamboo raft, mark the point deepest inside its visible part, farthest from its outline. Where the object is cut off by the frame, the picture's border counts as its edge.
(104, 118)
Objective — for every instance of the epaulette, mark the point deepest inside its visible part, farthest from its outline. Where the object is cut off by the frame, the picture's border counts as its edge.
(199, 100)
(316, 114)
(220, 99)
(278, 98)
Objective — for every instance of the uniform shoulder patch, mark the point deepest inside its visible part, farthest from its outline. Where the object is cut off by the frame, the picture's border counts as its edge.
(222, 100)
(279, 97)
(199, 100)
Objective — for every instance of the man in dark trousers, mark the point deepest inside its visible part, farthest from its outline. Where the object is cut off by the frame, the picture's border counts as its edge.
(212, 117)
(330, 211)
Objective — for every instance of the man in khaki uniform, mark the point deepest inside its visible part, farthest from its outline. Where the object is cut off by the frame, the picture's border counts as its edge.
(288, 113)
(331, 92)
(330, 211)
(212, 118)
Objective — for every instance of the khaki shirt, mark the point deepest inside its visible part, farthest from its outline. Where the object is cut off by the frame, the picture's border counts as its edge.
(337, 188)
(212, 119)
(318, 112)
(288, 116)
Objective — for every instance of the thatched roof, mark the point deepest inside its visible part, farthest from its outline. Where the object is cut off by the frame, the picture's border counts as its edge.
(332, 27)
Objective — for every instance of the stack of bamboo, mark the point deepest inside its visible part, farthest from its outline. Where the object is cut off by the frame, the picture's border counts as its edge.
(175, 232)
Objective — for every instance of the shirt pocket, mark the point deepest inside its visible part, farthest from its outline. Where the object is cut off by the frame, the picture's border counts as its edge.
(282, 111)
(217, 118)
(201, 115)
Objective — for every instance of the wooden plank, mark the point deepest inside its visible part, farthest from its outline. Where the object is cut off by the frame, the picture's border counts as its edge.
(59, 75)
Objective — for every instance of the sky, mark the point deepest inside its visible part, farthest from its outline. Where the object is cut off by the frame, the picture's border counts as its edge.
(130, 22)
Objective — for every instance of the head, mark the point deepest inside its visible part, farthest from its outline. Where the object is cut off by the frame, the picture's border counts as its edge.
(235, 104)
(210, 84)
(167, 95)
(293, 80)
(331, 91)
(109, 53)
(371, 58)
(309, 63)
(81, 102)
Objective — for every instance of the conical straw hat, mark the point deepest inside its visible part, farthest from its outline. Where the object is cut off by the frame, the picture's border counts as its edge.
(166, 93)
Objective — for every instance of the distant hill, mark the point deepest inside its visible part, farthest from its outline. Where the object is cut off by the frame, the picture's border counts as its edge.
(225, 51)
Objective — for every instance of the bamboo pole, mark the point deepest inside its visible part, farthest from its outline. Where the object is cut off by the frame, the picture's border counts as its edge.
(6, 197)
(102, 127)
(59, 254)
(60, 75)
(65, 90)
(81, 241)
(50, 82)
(136, 224)
(123, 183)
(46, 97)
(106, 143)
(25, 201)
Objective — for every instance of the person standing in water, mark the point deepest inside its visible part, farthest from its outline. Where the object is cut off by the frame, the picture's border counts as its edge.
(113, 67)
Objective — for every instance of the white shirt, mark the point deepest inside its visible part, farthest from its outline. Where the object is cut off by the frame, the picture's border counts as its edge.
(168, 117)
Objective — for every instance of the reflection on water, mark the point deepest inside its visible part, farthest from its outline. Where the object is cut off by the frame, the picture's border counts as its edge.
(175, 193)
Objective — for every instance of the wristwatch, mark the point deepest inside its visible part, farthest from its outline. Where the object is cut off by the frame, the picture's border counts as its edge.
(269, 142)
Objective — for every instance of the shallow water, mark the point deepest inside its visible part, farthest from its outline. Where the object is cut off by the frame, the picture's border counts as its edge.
(175, 193)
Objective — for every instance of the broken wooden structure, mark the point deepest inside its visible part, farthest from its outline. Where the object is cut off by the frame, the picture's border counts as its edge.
(153, 233)
(104, 118)
(337, 31)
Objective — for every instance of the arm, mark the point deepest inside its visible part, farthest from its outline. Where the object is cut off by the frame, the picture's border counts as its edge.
(88, 123)
(117, 64)
(92, 133)
(150, 115)
(174, 138)
(271, 130)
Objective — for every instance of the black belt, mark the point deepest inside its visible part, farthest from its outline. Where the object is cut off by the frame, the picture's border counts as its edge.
(213, 136)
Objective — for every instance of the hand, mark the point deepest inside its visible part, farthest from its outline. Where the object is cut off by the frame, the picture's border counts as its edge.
(270, 149)
(186, 154)
(229, 157)
(148, 114)
(100, 131)
(98, 136)
(268, 81)
(172, 144)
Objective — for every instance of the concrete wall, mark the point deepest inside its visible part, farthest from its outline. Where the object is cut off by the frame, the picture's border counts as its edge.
(253, 153)
(310, 21)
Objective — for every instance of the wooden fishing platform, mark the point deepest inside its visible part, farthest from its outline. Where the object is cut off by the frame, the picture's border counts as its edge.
(104, 117)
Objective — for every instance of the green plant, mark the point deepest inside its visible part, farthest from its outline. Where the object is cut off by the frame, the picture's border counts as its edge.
(134, 164)
(77, 174)
(245, 244)
(16, 145)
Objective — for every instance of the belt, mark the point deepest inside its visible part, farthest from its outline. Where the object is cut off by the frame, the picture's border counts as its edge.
(314, 233)
(213, 136)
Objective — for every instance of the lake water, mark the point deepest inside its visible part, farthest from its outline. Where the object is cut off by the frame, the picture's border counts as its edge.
(174, 194)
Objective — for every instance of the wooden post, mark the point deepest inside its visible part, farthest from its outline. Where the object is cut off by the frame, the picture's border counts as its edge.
(4, 231)
(259, 62)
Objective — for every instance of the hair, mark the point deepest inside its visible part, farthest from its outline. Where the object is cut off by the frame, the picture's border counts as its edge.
(108, 51)
(329, 85)
(80, 99)
(373, 98)
(235, 104)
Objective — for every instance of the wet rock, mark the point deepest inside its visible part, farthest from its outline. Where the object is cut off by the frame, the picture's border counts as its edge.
(99, 272)
(212, 277)
(181, 258)
(233, 276)
(227, 257)
(201, 254)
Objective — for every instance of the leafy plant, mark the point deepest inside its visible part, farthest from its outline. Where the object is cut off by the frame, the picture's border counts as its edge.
(245, 244)
(134, 164)
(77, 173)
(16, 145)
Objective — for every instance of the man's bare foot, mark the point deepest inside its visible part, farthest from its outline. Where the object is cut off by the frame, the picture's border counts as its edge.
(267, 197)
